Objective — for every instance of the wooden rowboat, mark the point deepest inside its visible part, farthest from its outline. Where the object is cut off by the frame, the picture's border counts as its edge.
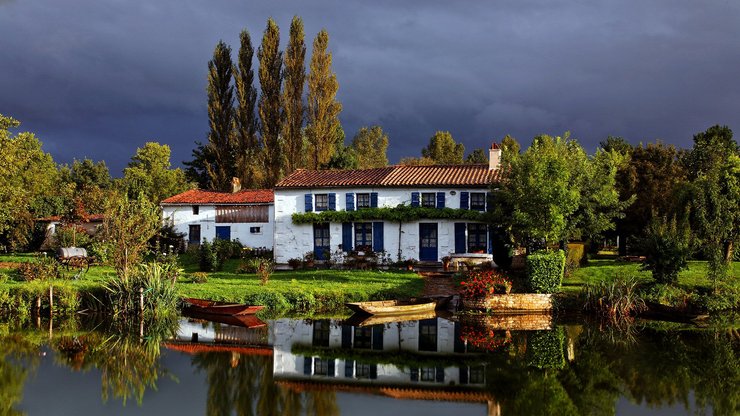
(219, 308)
(397, 307)
(248, 321)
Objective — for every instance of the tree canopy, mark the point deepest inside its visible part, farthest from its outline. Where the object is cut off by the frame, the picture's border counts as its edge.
(443, 149)
(370, 144)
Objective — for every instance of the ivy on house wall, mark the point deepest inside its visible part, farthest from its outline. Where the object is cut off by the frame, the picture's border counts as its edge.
(400, 213)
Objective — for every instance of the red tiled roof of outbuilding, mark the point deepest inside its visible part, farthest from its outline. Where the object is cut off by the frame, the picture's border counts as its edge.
(478, 175)
(201, 197)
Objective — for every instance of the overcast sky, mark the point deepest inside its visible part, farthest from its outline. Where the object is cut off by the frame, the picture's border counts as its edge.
(97, 79)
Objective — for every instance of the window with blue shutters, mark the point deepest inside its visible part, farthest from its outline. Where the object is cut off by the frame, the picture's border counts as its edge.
(414, 199)
(309, 202)
(363, 236)
(477, 238)
(332, 202)
(464, 200)
(440, 199)
(350, 201)
(478, 201)
(428, 199)
(363, 200)
(373, 200)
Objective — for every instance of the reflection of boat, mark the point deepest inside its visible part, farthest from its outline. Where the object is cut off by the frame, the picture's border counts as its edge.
(197, 348)
(246, 321)
(364, 319)
(398, 307)
(219, 308)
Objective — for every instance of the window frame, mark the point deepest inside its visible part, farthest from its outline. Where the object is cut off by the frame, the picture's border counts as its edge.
(321, 333)
(362, 200)
(477, 240)
(363, 236)
(196, 209)
(476, 199)
(428, 200)
(324, 205)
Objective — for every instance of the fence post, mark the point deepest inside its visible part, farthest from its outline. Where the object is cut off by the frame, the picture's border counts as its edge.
(51, 300)
(141, 299)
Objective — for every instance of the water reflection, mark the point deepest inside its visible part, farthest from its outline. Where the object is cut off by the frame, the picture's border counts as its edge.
(519, 365)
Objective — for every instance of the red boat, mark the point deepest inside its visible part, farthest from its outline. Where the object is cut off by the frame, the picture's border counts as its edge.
(219, 308)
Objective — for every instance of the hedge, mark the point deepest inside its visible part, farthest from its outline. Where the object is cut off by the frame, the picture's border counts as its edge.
(400, 213)
(545, 271)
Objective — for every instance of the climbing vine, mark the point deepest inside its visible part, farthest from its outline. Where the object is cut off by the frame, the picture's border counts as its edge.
(400, 213)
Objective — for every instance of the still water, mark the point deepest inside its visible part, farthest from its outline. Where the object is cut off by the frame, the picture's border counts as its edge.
(516, 365)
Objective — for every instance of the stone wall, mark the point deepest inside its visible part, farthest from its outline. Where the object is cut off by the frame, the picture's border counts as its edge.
(519, 322)
(515, 302)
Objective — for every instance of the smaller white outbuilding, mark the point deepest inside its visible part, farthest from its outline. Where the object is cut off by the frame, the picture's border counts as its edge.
(246, 215)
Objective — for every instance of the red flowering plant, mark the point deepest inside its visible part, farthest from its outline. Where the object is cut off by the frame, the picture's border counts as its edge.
(485, 339)
(481, 283)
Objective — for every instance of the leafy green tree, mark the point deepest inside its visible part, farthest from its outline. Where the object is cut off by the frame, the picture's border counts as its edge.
(26, 173)
(443, 149)
(371, 145)
(616, 144)
(295, 79)
(416, 161)
(653, 177)
(87, 182)
(248, 151)
(667, 247)
(477, 156)
(323, 109)
(712, 148)
(344, 156)
(220, 161)
(271, 116)
(149, 173)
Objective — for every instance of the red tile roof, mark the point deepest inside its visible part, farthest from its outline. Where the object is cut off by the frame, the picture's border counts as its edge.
(197, 196)
(57, 218)
(393, 176)
(420, 392)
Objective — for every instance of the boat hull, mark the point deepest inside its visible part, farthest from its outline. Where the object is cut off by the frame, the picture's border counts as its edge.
(219, 308)
(395, 307)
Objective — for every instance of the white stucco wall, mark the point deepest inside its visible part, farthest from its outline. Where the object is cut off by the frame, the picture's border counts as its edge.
(182, 217)
(293, 241)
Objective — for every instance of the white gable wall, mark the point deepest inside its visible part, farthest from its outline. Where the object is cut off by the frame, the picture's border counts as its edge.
(182, 216)
(293, 240)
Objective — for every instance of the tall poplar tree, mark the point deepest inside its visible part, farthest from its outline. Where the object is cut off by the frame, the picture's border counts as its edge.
(323, 109)
(295, 78)
(271, 61)
(220, 165)
(247, 152)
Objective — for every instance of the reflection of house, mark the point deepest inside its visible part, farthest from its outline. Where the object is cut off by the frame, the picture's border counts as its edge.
(246, 215)
(415, 353)
(455, 186)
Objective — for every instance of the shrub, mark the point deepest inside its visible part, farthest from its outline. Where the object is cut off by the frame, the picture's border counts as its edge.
(295, 264)
(545, 271)
(503, 248)
(207, 259)
(667, 247)
(70, 236)
(199, 277)
(616, 298)
(41, 268)
(226, 250)
(249, 265)
(265, 270)
(160, 294)
(573, 257)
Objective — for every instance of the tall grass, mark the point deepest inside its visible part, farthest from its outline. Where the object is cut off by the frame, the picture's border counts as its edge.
(156, 283)
(615, 299)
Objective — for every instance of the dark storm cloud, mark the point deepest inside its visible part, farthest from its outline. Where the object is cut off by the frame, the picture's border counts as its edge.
(98, 79)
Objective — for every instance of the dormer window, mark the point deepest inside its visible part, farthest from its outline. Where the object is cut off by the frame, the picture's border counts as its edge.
(196, 209)
(322, 202)
(363, 201)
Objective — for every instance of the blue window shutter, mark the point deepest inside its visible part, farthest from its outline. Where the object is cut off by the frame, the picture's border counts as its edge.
(464, 200)
(414, 199)
(350, 199)
(463, 375)
(346, 237)
(349, 368)
(330, 368)
(490, 240)
(346, 336)
(373, 199)
(460, 243)
(378, 337)
(309, 202)
(440, 376)
(307, 361)
(332, 201)
(378, 236)
(440, 199)
(373, 371)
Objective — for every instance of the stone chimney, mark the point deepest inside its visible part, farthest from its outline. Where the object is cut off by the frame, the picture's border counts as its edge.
(494, 157)
(236, 185)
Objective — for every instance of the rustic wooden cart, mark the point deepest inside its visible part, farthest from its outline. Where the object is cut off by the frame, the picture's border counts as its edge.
(74, 258)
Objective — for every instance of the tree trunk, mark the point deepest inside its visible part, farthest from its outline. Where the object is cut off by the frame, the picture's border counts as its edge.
(728, 251)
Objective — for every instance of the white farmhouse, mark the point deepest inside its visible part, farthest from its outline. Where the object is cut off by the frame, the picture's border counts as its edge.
(437, 186)
(244, 215)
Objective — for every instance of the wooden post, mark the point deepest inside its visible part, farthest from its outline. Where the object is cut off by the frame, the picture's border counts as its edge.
(51, 300)
(38, 306)
(141, 300)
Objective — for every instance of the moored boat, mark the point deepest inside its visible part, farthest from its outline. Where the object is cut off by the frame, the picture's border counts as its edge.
(397, 307)
(219, 308)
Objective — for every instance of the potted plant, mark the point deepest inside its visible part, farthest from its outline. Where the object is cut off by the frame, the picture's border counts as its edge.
(409, 264)
(295, 264)
(470, 264)
(446, 260)
(309, 258)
